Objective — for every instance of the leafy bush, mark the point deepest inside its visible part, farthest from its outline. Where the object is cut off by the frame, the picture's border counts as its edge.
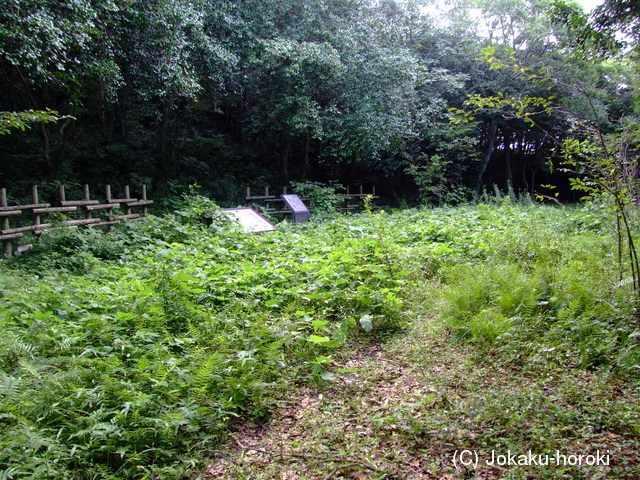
(324, 199)
(432, 178)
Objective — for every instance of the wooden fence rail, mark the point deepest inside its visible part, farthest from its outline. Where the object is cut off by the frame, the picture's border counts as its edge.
(29, 217)
(273, 204)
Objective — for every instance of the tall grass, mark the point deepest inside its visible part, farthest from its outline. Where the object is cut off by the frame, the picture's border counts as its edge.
(546, 281)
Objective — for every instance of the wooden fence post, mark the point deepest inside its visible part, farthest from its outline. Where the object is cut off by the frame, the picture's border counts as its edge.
(5, 223)
(36, 216)
(145, 209)
(86, 198)
(127, 196)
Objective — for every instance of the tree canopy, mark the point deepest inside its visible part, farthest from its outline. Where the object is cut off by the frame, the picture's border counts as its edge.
(231, 94)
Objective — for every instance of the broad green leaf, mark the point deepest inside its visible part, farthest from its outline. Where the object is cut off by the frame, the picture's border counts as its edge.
(328, 376)
(366, 321)
(318, 339)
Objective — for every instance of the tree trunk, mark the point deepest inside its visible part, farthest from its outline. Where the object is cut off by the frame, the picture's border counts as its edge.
(64, 138)
(52, 171)
(524, 175)
(122, 116)
(162, 154)
(123, 106)
(284, 161)
(102, 106)
(307, 163)
(488, 152)
(508, 172)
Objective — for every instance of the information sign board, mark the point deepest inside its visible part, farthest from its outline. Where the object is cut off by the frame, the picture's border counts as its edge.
(250, 220)
(300, 211)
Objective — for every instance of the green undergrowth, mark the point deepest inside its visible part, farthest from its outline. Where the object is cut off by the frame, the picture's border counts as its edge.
(130, 354)
(544, 285)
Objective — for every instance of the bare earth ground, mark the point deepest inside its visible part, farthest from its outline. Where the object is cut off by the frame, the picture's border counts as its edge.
(405, 408)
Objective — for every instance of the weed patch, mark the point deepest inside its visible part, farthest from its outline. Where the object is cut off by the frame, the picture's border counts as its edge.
(133, 354)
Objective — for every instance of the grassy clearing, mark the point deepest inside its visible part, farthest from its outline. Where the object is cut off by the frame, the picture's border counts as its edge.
(403, 410)
(133, 355)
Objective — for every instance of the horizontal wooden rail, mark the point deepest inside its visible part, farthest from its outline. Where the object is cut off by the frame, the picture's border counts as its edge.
(87, 208)
(269, 203)
(79, 203)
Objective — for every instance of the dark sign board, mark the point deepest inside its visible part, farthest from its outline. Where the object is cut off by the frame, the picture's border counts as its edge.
(300, 211)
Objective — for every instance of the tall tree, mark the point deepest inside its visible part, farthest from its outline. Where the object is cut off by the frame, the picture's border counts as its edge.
(326, 79)
(49, 58)
(508, 151)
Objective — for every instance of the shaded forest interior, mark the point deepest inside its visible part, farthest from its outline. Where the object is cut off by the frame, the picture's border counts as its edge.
(232, 94)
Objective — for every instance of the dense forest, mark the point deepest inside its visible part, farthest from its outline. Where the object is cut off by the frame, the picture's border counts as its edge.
(229, 94)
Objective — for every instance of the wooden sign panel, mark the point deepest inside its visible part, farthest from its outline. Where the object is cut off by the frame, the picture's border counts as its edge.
(250, 220)
(300, 211)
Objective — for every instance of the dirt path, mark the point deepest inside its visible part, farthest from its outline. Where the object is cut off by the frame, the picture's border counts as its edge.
(404, 409)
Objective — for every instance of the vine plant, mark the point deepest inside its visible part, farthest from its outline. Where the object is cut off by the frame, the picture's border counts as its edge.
(604, 165)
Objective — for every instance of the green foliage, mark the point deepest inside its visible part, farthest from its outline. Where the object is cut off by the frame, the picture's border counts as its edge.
(324, 199)
(129, 354)
(540, 283)
(195, 90)
(605, 164)
(21, 120)
(232, 93)
(525, 108)
(614, 25)
(431, 175)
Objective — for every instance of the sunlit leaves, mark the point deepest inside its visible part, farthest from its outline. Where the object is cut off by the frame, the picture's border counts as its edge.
(366, 322)
(22, 120)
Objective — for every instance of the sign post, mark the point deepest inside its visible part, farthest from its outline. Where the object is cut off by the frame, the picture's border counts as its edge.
(300, 211)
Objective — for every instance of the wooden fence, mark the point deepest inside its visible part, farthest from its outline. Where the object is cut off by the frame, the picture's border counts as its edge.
(30, 218)
(274, 205)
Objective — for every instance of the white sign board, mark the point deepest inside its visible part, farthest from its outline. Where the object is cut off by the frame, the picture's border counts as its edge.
(250, 220)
